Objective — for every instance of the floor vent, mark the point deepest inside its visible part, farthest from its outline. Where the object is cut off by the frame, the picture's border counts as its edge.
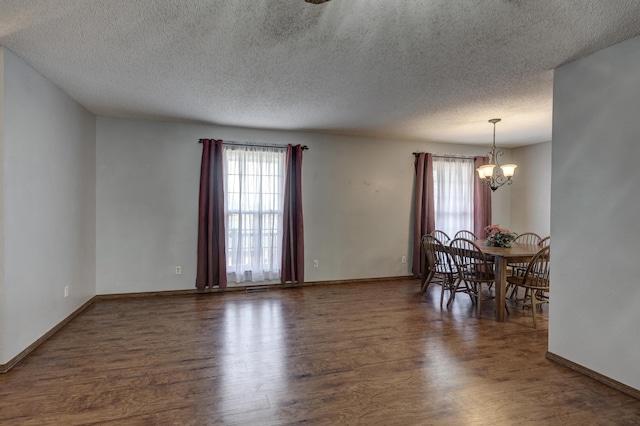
(256, 289)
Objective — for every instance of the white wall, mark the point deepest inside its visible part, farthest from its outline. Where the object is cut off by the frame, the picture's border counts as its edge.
(357, 198)
(595, 200)
(531, 189)
(48, 214)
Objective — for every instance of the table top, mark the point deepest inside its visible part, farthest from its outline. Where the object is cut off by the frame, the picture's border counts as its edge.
(515, 251)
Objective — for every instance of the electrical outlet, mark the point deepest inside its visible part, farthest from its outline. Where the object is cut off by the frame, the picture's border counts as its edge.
(315, 263)
(404, 259)
(66, 291)
(178, 270)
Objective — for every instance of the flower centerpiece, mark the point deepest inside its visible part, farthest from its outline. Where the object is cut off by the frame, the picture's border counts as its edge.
(499, 237)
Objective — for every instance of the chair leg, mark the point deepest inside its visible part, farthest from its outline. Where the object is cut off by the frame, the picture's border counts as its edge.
(426, 282)
(541, 295)
(537, 300)
(514, 293)
(534, 308)
(479, 297)
(472, 292)
(452, 291)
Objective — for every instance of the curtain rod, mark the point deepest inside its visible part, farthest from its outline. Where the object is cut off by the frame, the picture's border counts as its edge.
(464, 157)
(261, 145)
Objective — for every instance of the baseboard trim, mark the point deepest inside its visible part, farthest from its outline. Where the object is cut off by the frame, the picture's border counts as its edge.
(594, 375)
(4, 368)
(353, 281)
(247, 288)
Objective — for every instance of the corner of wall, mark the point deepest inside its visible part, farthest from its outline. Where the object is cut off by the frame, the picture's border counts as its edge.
(2, 297)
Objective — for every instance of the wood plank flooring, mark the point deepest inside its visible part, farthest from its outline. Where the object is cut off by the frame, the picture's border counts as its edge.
(364, 354)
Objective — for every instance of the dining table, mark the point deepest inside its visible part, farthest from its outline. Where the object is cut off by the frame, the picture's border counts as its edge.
(502, 256)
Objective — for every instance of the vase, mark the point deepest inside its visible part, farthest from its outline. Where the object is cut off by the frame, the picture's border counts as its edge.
(496, 244)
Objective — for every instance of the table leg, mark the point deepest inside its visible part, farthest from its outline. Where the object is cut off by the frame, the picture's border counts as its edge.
(501, 285)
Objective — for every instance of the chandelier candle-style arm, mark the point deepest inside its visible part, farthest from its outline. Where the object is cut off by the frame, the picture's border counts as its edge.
(489, 174)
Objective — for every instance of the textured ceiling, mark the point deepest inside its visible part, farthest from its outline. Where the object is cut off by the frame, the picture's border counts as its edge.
(421, 70)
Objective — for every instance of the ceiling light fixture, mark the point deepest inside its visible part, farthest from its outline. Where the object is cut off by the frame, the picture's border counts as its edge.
(316, 1)
(493, 176)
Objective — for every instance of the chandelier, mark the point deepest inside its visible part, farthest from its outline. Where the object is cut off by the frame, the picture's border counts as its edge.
(492, 176)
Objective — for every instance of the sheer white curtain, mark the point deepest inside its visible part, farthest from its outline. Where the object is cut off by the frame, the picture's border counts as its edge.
(253, 187)
(453, 194)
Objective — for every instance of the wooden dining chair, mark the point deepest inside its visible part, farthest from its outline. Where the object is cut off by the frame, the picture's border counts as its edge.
(441, 236)
(518, 268)
(439, 266)
(466, 234)
(528, 238)
(545, 242)
(474, 271)
(535, 281)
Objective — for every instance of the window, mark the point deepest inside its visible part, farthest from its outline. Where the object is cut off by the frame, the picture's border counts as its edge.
(453, 194)
(254, 190)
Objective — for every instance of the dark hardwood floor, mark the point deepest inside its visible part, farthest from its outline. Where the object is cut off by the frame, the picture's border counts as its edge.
(370, 354)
